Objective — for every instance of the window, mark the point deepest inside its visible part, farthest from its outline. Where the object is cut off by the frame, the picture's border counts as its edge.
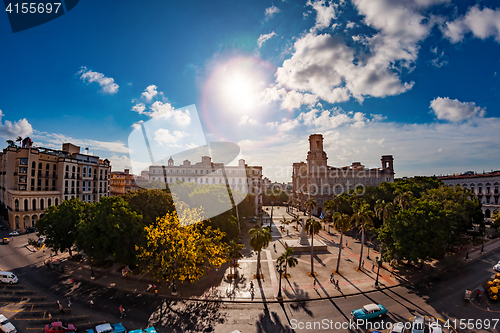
(25, 204)
(73, 169)
(57, 201)
(40, 166)
(23, 161)
(33, 164)
(41, 204)
(67, 168)
(50, 202)
(34, 204)
(47, 166)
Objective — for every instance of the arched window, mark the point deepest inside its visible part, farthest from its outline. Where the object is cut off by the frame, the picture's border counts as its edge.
(34, 204)
(41, 204)
(25, 204)
(33, 164)
(84, 171)
(40, 165)
(67, 168)
(50, 202)
(57, 201)
(16, 205)
(73, 169)
(47, 166)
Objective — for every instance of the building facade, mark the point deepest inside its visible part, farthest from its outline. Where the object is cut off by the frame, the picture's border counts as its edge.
(243, 178)
(485, 187)
(34, 178)
(315, 179)
(121, 182)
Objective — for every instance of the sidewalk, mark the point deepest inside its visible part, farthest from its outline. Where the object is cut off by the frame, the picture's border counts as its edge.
(298, 286)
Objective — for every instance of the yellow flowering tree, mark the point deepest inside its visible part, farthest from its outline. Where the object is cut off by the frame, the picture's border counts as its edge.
(178, 248)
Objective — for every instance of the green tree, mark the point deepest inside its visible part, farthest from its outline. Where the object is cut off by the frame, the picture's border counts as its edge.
(60, 224)
(113, 229)
(342, 223)
(297, 220)
(287, 259)
(383, 211)
(363, 220)
(234, 253)
(403, 199)
(260, 237)
(182, 252)
(312, 228)
(151, 204)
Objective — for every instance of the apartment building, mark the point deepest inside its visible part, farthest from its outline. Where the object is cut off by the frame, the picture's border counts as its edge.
(121, 182)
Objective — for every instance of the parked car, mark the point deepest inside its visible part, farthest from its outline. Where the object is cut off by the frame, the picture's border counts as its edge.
(108, 328)
(435, 328)
(398, 328)
(60, 327)
(369, 311)
(418, 324)
(3, 227)
(41, 239)
(147, 330)
(497, 267)
(30, 230)
(6, 325)
(13, 233)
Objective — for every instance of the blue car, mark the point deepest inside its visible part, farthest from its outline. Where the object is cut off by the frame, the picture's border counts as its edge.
(369, 311)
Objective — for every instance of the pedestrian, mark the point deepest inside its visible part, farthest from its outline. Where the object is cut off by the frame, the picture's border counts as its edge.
(61, 310)
(72, 281)
(44, 252)
(154, 286)
(122, 312)
(149, 287)
(156, 292)
(332, 280)
(50, 318)
(58, 303)
(363, 263)
(274, 246)
(392, 272)
(287, 232)
(251, 285)
(69, 302)
(373, 267)
(91, 304)
(337, 285)
(314, 284)
(345, 243)
(467, 256)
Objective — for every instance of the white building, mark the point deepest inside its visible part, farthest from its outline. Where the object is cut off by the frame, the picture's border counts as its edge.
(484, 185)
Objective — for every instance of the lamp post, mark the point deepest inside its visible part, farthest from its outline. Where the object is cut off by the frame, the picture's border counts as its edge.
(92, 276)
(280, 271)
(379, 263)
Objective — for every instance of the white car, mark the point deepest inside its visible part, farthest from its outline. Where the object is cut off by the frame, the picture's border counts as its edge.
(497, 267)
(435, 328)
(418, 324)
(13, 233)
(398, 328)
(6, 326)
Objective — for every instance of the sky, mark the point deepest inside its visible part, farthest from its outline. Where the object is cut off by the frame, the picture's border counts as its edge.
(416, 79)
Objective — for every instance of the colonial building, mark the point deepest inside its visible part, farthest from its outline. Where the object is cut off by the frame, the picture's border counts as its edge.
(121, 182)
(243, 178)
(34, 178)
(483, 185)
(315, 179)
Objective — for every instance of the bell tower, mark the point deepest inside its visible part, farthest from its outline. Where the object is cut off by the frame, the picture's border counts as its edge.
(316, 157)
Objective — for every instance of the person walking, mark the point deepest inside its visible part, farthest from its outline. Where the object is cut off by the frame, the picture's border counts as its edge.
(61, 310)
(251, 286)
(156, 292)
(392, 272)
(274, 246)
(69, 302)
(314, 284)
(122, 311)
(149, 287)
(337, 285)
(91, 304)
(373, 267)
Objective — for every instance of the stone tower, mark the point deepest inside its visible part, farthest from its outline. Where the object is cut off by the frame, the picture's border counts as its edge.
(387, 162)
(316, 157)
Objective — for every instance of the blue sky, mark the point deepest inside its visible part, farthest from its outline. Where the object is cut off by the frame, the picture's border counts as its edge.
(418, 79)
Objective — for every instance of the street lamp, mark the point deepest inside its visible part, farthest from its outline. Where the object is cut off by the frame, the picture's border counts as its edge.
(379, 263)
(92, 276)
(280, 271)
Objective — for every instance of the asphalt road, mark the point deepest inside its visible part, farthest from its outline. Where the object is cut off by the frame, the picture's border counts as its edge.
(41, 287)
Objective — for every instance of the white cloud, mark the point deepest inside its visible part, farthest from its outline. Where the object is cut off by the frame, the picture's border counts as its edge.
(149, 93)
(454, 110)
(55, 140)
(271, 11)
(168, 139)
(350, 25)
(108, 85)
(263, 38)
(12, 130)
(325, 13)
(139, 108)
(483, 24)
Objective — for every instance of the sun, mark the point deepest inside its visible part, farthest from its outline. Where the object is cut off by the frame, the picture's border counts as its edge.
(239, 90)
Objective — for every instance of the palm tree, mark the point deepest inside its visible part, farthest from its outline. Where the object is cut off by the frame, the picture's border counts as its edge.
(234, 253)
(403, 199)
(342, 223)
(312, 227)
(383, 211)
(296, 219)
(11, 143)
(260, 237)
(287, 259)
(310, 205)
(363, 219)
(19, 139)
